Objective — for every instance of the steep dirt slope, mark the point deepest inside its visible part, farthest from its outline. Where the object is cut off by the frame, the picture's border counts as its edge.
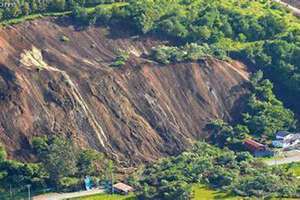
(137, 113)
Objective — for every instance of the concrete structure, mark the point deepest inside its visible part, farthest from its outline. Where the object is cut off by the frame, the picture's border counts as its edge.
(122, 188)
(283, 135)
(285, 140)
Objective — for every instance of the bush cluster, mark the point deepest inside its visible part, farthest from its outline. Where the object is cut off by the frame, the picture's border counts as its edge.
(18, 8)
(60, 165)
(188, 52)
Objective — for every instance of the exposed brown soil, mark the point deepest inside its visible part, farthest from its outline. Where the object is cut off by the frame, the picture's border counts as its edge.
(137, 113)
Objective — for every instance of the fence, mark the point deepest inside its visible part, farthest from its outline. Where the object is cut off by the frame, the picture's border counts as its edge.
(22, 193)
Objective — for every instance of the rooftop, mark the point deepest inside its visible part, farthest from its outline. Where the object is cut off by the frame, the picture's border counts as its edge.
(253, 145)
(282, 133)
(123, 187)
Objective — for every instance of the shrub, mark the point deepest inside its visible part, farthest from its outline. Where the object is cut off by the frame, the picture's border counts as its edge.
(69, 184)
(121, 59)
(64, 39)
(189, 52)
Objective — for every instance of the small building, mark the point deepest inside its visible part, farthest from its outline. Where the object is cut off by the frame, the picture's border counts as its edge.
(122, 188)
(287, 141)
(257, 149)
(283, 135)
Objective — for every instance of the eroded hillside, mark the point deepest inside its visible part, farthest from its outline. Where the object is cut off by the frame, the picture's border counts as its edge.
(138, 112)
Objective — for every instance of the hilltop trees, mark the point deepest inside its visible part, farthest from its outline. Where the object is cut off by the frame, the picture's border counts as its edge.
(81, 15)
(203, 21)
(14, 9)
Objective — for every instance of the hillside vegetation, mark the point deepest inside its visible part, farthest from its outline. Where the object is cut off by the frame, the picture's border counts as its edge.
(234, 173)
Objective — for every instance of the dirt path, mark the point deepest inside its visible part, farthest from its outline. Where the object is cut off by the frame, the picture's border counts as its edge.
(62, 196)
(293, 156)
(295, 10)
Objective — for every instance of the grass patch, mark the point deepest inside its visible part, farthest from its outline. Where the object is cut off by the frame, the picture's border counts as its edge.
(106, 197)
(294, 168)
(202, 192)
(91, 10)
(64, 38)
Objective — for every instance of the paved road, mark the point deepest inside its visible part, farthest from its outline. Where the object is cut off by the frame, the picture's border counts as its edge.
(295, 10)
(62, 196)
(291, 156)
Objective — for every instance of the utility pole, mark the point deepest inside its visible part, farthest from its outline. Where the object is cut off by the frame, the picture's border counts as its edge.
(28, 187)
(110, 168)
(10, 192)
(112, 182)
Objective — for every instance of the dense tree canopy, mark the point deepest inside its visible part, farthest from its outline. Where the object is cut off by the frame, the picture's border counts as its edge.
(60, 165)
(171, 178)
(65, 163)
(13, 9)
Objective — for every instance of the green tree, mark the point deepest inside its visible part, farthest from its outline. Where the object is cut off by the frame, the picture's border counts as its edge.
(90, 162)
(58, 5)
(26, 8)
(266, 114)
(58, 156)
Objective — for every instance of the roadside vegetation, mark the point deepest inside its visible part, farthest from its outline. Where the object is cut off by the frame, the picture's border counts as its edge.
(60, 166)
(234, 174)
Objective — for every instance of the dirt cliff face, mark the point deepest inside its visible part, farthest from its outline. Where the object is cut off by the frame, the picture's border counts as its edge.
(136, 113)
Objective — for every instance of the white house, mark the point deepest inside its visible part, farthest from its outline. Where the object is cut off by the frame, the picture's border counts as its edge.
(283, 135)
(286, 140)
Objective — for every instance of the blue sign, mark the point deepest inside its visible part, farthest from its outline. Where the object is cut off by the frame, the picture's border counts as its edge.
(88, 183)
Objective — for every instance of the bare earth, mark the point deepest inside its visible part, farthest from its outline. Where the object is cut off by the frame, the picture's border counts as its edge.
(138, 112)
(291, 156)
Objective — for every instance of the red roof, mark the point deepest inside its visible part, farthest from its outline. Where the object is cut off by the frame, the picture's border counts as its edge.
(253, 145)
